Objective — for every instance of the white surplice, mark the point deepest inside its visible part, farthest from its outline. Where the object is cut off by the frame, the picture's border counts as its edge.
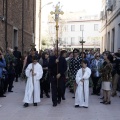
(79, 95)
(30, 87)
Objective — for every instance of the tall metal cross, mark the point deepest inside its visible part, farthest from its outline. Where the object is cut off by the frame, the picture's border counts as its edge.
(82, 43)
(57, 13)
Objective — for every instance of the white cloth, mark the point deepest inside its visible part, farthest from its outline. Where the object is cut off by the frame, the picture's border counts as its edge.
(30, 88)
(106, 85)
(79, 95)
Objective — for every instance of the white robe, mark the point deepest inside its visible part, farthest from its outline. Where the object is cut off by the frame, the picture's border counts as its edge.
(28, 98)
(79, 96)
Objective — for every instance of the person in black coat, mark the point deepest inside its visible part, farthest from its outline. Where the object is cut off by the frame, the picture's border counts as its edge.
(57, 67)
(18, 67)
(44, 82)
(30, 57)
(11, 75)
(116, 74)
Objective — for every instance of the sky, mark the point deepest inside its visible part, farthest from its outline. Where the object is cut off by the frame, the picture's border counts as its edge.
(92, 7)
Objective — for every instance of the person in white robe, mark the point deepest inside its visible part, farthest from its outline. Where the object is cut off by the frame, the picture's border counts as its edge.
(82, 91)
(34, 73)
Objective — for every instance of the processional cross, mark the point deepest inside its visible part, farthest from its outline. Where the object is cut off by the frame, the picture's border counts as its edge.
(57, 13)
(82, 43)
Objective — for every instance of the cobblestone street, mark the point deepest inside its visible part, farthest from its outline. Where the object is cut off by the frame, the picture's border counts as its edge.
(12, 108)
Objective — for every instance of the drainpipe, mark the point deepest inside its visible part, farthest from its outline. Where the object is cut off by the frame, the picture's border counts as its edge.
(6, 42)
(22, 26)
(3, 7)
(33, 23)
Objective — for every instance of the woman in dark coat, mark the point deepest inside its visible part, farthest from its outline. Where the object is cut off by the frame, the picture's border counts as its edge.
(44, 83)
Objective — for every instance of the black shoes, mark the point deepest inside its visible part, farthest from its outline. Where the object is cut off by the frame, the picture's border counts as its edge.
(72, 91)
(54, 104)
(103, 102)
(76, 106)
(2, 96)
(41, 95)
(26, 105)
(63, 98)
(106, 103)
(35, 104)
(10, 91)
(47, 95)
(58, 101)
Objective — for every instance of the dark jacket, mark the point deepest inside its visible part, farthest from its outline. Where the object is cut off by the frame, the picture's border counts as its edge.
(62, 66)
(117, 66)
(52, 65)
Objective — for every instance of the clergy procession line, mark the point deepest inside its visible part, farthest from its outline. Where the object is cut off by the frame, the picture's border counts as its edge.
(44, 72)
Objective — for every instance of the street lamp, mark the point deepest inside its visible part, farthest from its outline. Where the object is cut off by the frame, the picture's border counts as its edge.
(46, 4)
(40, 41)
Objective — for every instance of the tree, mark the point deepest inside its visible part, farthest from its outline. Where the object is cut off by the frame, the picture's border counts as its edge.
(45, 42)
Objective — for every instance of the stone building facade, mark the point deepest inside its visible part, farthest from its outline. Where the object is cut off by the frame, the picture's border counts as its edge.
(17, 23)
(110, 25)
(73, 27)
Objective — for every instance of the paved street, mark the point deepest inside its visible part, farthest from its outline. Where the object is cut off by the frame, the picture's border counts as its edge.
(12, 108)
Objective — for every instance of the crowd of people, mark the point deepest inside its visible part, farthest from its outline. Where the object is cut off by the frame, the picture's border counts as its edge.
(53, 71)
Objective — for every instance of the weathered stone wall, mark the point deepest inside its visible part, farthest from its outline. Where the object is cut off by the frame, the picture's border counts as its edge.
(15, 22)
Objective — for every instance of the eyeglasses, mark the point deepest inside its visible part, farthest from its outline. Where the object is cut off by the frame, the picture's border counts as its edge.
(97, 56)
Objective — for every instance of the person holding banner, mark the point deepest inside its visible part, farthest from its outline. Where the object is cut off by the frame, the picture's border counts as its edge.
(82, 91)
(34, 73)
